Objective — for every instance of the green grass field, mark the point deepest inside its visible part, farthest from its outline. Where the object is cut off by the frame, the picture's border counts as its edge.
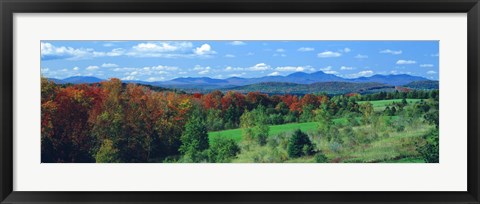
(236, 134)
(381, 104)
(396, 147)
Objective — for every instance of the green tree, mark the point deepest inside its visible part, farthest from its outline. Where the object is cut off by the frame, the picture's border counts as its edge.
(367, 110)
(194, 138)
(254, 125)
(299, 145)
(223, 150)
(107, 153)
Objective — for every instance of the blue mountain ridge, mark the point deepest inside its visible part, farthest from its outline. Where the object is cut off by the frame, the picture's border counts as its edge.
(297, 77)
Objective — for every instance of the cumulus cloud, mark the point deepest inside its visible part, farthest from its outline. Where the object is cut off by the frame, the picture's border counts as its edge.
(393, 52)
(49, 51)
(406, 62)
(347, 50)
(162, 46)
(280, 50)
(327, 54)
(359, 56)
(229, 56)
(324, 69)
(364, 73)
(260, 67)
(92, 67)
(431, 72)
(237, 43)
(426, 65)
(76, 68)
(291, 69)
(205, 49)
(306, 49)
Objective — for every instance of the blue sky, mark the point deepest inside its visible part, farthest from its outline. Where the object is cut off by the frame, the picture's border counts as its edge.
(165, 60)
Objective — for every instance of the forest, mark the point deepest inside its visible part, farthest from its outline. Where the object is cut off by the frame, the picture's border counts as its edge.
(115, 122)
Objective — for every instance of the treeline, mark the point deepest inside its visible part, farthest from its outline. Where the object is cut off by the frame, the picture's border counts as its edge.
(113, 122)
(408, 93)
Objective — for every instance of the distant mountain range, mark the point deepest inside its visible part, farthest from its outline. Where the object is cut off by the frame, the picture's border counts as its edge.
(297, 78)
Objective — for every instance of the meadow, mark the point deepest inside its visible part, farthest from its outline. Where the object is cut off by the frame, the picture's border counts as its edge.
(114, 122)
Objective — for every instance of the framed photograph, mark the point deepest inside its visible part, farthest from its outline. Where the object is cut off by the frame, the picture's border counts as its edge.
(241, 101)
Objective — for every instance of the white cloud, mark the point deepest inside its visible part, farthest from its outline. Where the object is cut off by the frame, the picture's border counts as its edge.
(162, 46)
(229, 56)
(406, 62)
(346, 68)
(44, 70)
(434, 55)
(92, 67)
(260, 67)
(280, 50)
(330, 72)
(346, 50)
(393, 52)
(324, 69)
(274, 74)
(76, 68)
(359, 56)
(128, 78)
(237, 43)
(237, 75)
(49, 51)
(279, 55)
(205, 49)
(306, 49)
(329, 54)
(364, 73)
(162, 67)
(291, 69)
(151, 79)
(109, 65)
(204, 71)
(426, 65)
(250, 54)
(431, 72)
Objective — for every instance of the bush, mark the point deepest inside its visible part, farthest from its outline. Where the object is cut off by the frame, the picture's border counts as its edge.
(321, 158)
(223, 150)
(299, 145)
(430, 150)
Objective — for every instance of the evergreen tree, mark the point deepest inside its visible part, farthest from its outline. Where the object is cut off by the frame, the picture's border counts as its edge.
(194, 138)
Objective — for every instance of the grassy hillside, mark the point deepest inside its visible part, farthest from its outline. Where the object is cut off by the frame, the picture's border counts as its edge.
(381, 104)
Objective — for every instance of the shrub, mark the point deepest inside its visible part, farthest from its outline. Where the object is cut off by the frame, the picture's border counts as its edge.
(321, 158)
(299, 145)
(223, 150)
(430, 150)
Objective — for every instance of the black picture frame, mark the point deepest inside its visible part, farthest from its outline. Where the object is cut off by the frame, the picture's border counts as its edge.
(10, 7)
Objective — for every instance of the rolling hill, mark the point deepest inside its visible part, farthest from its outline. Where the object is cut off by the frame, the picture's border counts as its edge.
(327, 87)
